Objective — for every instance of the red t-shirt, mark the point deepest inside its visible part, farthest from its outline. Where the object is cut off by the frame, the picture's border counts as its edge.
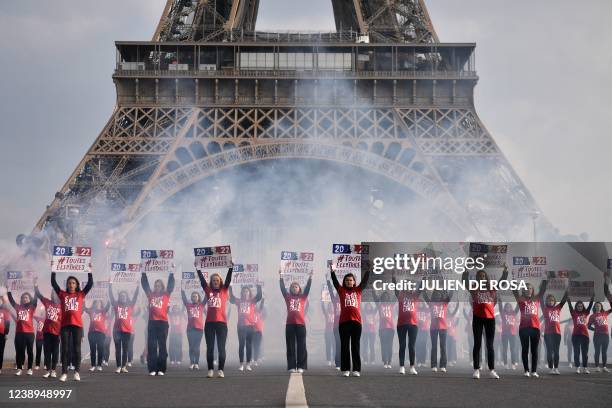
(124, 323)
(350, 304)
(552, 319)
(72, 308)
(438, 315)
(246, 312)
(369, 324)
(195, 316)
(423, 318)
(483, 303)
(24, 318)
(176, 322)
(581, 319)
(97, 321)
(330, 319)
(296, 305)
(508, 323)
(4, 316)
(385, 315)
(40, 325)
(530, 311)
(217, 302)
(158, 306)
(407, 305)
(600, 321)
(259, 321)
(53, 321)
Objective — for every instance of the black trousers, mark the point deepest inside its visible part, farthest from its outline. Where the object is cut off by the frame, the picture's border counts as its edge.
(122, 346)
(245, 343)
(2, 345)
(386, 344)
(297, 355)
(257, 340)
(194, 339)
(368, 340)
(508, 341)
(39, 347)
(131, 348)
(51, 344)
(176, 346)
(215, 331)
(24, 343)
(601, 342)
(553, 342)
(570, 350)
(530, 340)
(338, 346)
(71, 347)
(96, 347)
(157, 352)
(350, 334)
(581, 345)
(480, 324)
(421, 348)
(329, 345)
(434, 334)
(106, 348)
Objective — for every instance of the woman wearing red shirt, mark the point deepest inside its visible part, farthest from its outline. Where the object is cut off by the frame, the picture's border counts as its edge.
(24, 330)
(509, 330)
(368, 335)
(350, 320)
(195, 327)
(529, 328)
(407, 325)
(438, 308)
(336, 303)
(215, 328)
(39, 320)
(580, 334)
(386, 330)
(295, 326)
(98, 316)
(123, 328)
(51, 331)
(175, 344)
(551, 311)
(72, 300)
(483, 319)
(598, 323)
(157, 328)
(246, 323)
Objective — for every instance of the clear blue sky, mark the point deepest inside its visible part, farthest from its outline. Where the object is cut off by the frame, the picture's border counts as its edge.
(544, 92)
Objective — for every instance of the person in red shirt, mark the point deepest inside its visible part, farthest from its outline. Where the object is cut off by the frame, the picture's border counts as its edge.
(386, 329)
(509, 326)
(350, 320)
(407, 324)
(157, 328)
(51, 331)
(123, 328)
(368, 336)
(260, 316)
(72, 300)
(39, 320)
(246, 323)
(5, 324)
(551, 313)
(98, 316)
(177, 320)
(598, 323)
(580, 334)
(135, 315)
(483, 319)
(24, 329)
(215, 328)
(529, 328)
(333, 295)
(295, 326)
(438, 308)
(195, 327)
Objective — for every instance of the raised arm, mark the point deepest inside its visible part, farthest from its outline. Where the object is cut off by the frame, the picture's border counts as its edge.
(454, 312)
(54, 284)
(261, 304)
(232, 298)
(364, 280)
(542, 289)
(11, 299)
(259, 294)
(228, 277)
(607, 290)
(330, 289)
(202, 280)
(184, 297)
(144, 281)
(397, 292)
(588, 309)
(334, 279)
(135, 297)
(504, 275)
(107, 307)
(283, 289)
(39, 295)
(308, 284)
(89, 284)
(170, 285)
(111, 297)
(563, 300)
(569, 304)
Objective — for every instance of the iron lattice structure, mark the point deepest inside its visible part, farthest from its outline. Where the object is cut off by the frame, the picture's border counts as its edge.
(209, 94)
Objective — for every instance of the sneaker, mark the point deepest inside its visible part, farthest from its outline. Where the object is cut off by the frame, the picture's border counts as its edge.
(152, 373)
(337, 368)
(124, 370)
(210, 374)
(585, 370)
(443, 369)
(476, 374)
(402, 370)
(493, 375)
(191, 366)
(99, 368)
(571, 365)
(129, 364)
(535, 375)
(527, 374)
(356, 374)
(47, 374)
(77, 376)
(556, 371)
(606, 370)
(578, 370)
(105, 363)
(18, 372)
(37, 368)
(346, 373)
(434, 369)
(329, 363)
(300, 370)
(161, 373)
(292, 370)
(599, 369)
(241, 368)
(63, 377)
(71, 367)
(118, 370)
(551, 371)
(514, 366)
(220, 374)
(53, 374)
(413, 370)
(92, 368)
(196, 367)
(29, 372)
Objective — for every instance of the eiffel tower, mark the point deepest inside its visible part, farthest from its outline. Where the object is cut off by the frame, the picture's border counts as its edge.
(210, 94)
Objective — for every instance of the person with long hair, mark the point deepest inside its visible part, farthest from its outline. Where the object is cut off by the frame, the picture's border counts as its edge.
(580, 334)
(509, 326)
(551, 312)
(295, 325)
(529, 328)
(24, 330)
(350, 320)
(246, 323)
(335, 300)
(567, 340)
(39, 320)
(260, 316)
(407, 325)
(123, 327)
(598, 324)
(73, 301)
(438, 309)
(215, 328)
(483, 319)
(98, 319)
(368, 335)
(157, 328)
(51, 331)
(195, 326)
(5, 326)
(386, 329)
(177, 326)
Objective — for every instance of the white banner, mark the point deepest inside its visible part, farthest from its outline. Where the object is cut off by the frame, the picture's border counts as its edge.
(296, 267)
(213, 257)
(17, 281)
(157, 261)
(125, 273)
(71, 259)
(245, 274)
(191, 282)
(99, 291)
(347, 259)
